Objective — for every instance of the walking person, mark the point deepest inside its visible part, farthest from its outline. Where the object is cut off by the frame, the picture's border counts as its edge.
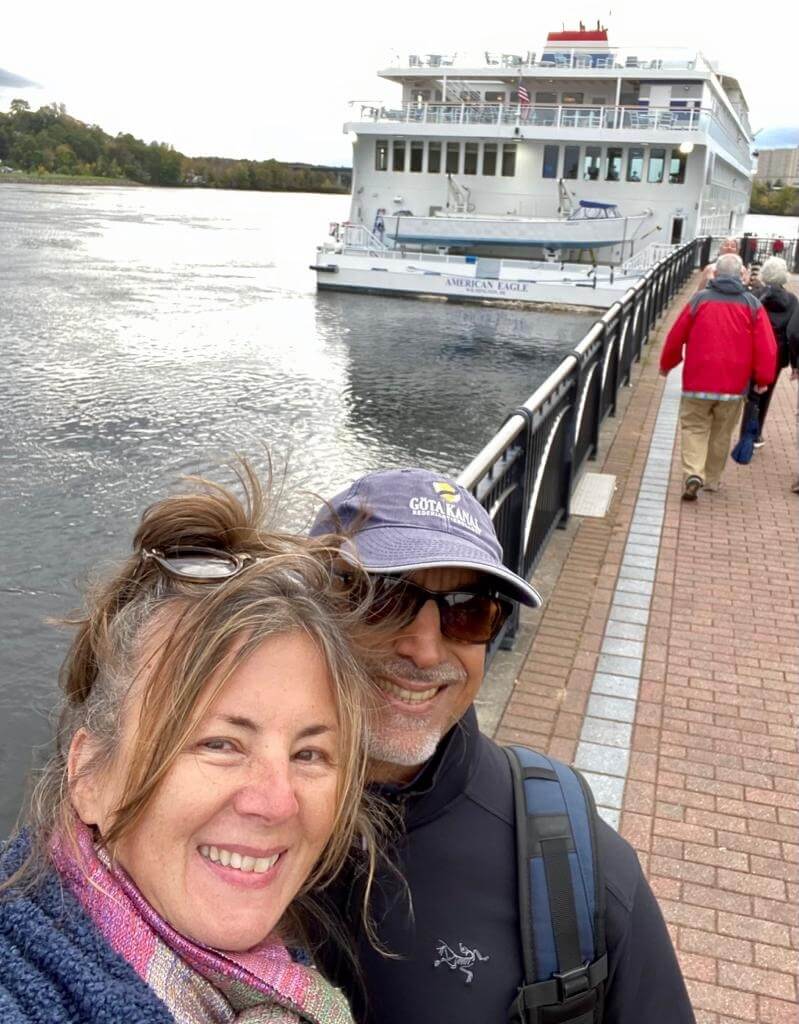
(782, 309)
(725, 337)
(728, 245)
(448, 906)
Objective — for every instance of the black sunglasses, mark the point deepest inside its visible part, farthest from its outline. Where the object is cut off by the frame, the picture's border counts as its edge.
(473, 615)
(199, 565)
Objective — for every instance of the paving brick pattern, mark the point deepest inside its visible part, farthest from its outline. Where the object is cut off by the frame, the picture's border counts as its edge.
(677, 687)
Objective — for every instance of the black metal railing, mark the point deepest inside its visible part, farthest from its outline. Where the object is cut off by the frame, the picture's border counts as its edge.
(525, 475)
(754, 249)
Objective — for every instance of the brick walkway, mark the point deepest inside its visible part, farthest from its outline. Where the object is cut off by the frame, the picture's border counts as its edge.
(666, 662)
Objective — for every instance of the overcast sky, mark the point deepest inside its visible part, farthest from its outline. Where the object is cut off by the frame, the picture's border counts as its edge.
(251, 80)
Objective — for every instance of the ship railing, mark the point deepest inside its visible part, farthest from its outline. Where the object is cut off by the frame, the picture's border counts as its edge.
(361, 244)
(357, 236)
(648, 257)
(553, 57)
(526, 474)
(544, 115)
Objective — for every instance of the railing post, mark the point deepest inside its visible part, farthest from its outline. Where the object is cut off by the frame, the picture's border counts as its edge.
(638, 323)
(513, 546)
(652, 303)
(597, 420)
(570, 447)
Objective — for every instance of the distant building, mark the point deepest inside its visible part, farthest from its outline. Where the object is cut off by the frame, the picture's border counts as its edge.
(781, 165)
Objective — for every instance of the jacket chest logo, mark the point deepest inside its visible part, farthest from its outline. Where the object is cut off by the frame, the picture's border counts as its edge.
(463, 961)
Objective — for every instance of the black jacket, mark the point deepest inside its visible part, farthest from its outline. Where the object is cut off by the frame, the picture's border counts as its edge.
(782, 307)
(458, 857)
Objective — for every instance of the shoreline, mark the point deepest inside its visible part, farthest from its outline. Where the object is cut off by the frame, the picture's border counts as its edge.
(21, 178)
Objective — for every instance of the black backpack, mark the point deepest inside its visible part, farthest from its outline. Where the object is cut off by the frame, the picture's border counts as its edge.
(561, 894)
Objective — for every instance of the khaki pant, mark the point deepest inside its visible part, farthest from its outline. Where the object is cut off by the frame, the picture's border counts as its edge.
(707, 429)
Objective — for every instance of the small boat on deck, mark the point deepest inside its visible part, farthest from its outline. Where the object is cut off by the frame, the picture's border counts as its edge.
(591, 225)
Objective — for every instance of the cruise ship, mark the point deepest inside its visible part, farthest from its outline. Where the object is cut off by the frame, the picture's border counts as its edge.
(555, 177)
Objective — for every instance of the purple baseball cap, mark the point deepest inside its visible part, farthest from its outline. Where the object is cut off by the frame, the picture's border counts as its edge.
(411, 519)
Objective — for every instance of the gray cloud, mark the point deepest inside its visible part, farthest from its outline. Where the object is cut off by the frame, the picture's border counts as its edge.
(9, 80)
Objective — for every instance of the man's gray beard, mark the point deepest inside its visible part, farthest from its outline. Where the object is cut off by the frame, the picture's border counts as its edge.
(402, 740)
(407, 739)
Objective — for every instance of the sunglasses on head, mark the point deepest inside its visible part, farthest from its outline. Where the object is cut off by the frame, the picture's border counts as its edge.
(199, 565)
(473, 615)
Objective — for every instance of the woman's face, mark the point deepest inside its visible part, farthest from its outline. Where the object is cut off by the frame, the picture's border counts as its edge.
(246, 809)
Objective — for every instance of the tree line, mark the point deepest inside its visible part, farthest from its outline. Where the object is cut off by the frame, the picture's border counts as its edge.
(50, 141)
(780, 200)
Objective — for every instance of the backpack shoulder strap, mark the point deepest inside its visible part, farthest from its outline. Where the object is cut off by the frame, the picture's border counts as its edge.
(561, 894)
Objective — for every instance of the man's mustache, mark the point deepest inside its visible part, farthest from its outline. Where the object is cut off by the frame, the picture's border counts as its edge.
(443, 674)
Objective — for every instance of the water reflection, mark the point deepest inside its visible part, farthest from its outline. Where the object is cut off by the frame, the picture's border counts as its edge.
(151, 333)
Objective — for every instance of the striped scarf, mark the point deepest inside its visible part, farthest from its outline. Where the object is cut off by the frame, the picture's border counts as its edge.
(198, 985)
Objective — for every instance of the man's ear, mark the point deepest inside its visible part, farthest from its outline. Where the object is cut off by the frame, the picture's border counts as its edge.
(84, 788)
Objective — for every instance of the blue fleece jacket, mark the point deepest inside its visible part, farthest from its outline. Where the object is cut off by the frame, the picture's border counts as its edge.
(55, 966)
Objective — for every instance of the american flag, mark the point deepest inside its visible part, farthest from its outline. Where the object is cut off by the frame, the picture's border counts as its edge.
(523, 94)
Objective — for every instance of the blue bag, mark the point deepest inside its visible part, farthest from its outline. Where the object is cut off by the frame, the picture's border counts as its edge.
(744, 450)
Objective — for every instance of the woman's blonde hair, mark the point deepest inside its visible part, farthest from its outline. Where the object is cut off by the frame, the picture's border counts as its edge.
(204, 632)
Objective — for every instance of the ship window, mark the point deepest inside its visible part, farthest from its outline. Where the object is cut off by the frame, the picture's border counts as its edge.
(398, 155)
(508, 160)
(599, 101)
(453, 157)
(437, 95)
(495, 97)
(593, 155)
(635, 164)
(571, 161)
(417, 155)
(570, 98)
(434, 157)
(470, 155)
(550, 166)
(613, 165)
(381, 155)
(490, 158)
(677, 167)
(547, 98)
(657, 163)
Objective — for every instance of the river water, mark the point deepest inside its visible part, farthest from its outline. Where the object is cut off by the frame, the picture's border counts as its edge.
(149, 333)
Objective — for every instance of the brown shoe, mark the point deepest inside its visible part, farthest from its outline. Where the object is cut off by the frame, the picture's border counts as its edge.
(692, 487)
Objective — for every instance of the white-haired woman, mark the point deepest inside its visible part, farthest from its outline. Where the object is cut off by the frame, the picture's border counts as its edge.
(782, 308)
(206, 783)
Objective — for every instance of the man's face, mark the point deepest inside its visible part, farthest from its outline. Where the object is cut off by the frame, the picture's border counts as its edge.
(729, 245)
(427, 683)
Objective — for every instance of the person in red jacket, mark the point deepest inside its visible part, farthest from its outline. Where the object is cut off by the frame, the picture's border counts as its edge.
(725, 337)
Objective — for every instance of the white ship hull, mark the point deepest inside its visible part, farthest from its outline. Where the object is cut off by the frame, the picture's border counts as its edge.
(453, 278)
